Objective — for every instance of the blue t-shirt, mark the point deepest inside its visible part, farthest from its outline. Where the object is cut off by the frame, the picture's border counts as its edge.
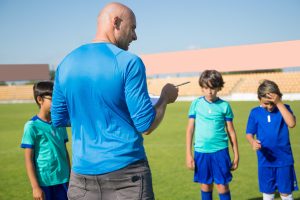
(102, 91)
(273, 133)
(210, 119)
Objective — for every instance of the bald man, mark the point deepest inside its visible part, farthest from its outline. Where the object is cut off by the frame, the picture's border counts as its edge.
(100, 89)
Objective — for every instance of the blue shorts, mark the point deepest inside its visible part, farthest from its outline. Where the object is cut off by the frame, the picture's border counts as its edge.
(213, 167)
(56, 192)
(281, 178)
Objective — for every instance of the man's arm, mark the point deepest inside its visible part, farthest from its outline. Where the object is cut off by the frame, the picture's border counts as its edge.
(168, 95)
(59, 110)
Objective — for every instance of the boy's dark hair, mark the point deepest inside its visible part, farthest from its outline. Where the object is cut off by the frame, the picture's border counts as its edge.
(211, 79)
(265, 87)
(42, 88)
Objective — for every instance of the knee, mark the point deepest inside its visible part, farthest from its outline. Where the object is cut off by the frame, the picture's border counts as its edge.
(222, 188)
(206, 187)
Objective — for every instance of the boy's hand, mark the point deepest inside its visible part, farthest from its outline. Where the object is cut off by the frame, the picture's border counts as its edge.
(190, 163)
(273, 98)
(256, 145)
(38, 194)
(235, 164)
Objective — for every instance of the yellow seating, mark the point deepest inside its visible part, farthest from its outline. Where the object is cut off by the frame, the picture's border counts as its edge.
(288, 82)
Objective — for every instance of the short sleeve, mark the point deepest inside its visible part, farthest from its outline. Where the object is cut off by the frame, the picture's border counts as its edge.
(192, 110)
(138, 101)
(28, 137)
(228, 113)
(251, 124)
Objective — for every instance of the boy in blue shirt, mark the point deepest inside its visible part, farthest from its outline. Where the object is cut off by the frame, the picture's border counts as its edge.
(210, 118)
(46, 157)
(269, 122)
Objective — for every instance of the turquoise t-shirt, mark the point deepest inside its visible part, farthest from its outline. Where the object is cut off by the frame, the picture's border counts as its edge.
(210, 119)
(50, 156)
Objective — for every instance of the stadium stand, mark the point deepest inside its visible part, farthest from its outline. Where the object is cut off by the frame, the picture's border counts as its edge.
(16, 92)
(289, 82)
(234, 83)
(241, 66)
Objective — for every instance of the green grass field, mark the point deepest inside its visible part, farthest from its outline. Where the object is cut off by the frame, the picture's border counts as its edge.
(165, 149)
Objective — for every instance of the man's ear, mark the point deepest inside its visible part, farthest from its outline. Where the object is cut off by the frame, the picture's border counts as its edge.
(117, 22)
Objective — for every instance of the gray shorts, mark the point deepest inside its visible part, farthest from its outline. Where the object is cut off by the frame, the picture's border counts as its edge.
(133, 182)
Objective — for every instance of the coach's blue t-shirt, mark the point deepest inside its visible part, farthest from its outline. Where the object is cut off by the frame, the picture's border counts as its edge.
(273, 133)
(102, 91)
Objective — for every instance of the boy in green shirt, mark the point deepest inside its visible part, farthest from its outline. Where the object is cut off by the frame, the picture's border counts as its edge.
(46, 156)
(211, 121)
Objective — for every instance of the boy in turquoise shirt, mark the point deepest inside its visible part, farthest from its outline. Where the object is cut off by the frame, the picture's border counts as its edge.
(46, 156)
(210, 118)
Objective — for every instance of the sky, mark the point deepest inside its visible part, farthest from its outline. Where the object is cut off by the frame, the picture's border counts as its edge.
(44, 31)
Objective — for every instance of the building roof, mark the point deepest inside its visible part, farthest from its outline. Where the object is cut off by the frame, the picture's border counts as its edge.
(266, 56)
(24, 72)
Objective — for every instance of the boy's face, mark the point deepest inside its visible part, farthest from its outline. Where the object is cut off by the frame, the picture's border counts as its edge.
(45, 103)
(209, 93)
(267, 104)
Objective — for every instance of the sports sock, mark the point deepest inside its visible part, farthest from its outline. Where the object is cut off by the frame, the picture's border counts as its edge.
(289, 197)
(225, 196)
(268, 196)
(206, 195)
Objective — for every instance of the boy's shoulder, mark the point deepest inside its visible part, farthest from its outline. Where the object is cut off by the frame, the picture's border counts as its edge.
(31, 122)
(256, 109)
(35, 122)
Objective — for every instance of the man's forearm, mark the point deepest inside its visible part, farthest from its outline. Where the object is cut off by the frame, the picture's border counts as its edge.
(160, 108)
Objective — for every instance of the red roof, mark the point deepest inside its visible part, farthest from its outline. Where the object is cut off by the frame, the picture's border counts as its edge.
(275, 55)
(24, 72)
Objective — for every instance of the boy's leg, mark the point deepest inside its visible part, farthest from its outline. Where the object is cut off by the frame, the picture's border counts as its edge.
(268, 196)
(47, 192)
(267, 181)
(286, 181)
(221, 172)
(206, 191)
(224, 192)
(203, 174)
(286, 196)
(61, 191)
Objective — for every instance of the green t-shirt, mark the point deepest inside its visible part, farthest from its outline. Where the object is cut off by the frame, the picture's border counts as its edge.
(210, 119)
(50, 155)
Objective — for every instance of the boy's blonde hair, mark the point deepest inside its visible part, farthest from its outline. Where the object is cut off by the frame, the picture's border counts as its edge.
(265, 87)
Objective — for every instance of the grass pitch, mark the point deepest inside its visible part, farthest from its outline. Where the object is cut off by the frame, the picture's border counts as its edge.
(165, 150)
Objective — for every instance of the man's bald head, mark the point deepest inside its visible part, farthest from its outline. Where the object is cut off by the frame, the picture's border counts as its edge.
(116, 24)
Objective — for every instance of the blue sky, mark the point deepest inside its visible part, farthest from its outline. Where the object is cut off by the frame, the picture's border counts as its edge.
(44, 31)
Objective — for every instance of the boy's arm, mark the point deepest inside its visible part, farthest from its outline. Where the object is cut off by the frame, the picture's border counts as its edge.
(37, 192)
(255, 144)
(189, 140)
(234, 144)
(288, 117)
